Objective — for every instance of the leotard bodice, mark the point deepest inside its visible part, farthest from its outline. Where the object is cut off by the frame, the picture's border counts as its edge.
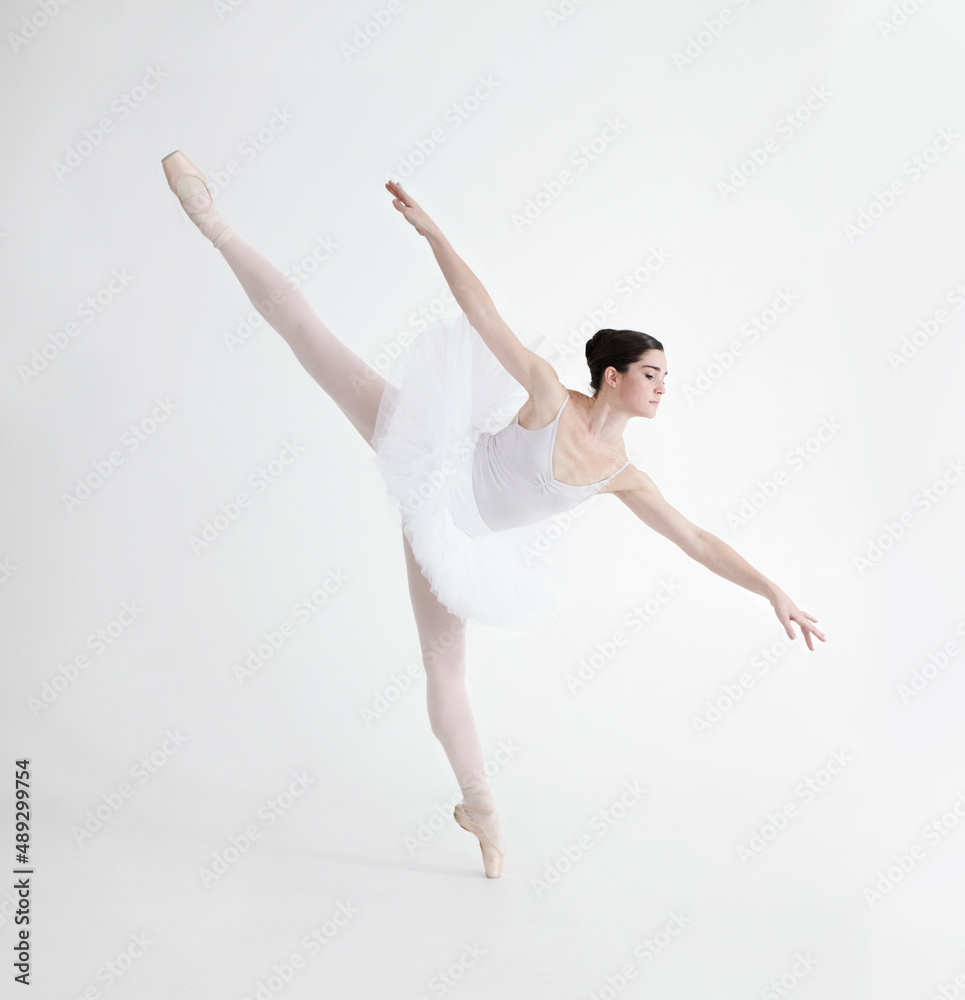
(512, 476)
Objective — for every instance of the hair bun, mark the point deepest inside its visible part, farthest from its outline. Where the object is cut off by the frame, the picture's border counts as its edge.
(594, 343)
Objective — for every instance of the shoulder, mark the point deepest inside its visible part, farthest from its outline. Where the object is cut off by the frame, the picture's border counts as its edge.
(546, 395)
(579, 399)
(628, 483)
(537, 376)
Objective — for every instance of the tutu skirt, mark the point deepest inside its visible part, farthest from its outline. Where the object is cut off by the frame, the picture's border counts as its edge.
(445, 390)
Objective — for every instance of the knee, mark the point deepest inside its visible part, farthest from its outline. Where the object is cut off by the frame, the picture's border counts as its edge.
(448, 667)
(276, 297)
(446, 650)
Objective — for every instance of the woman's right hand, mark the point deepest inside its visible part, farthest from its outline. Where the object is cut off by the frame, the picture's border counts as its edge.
(412, 211)
(787, 611)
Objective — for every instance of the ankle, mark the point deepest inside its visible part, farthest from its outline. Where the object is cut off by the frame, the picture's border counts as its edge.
(201, 210)
(477, 799)
(480, 807)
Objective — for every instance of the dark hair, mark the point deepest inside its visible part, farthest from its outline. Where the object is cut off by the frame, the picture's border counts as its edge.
(619, 348)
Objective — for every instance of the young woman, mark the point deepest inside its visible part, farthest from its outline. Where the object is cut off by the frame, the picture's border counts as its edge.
(470, 482)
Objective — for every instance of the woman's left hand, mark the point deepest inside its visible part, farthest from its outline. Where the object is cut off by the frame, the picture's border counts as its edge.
(787, 611)
(413, 212)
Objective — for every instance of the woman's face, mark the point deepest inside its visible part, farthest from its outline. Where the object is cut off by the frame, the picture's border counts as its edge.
(642, 384)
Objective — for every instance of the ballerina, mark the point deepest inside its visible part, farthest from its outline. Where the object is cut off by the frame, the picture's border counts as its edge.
(468, 482)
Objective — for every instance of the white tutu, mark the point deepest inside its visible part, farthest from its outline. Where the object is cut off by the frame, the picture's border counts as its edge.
(451, 389)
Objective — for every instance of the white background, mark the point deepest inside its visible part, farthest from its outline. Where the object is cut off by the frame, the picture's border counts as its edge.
(373, 828)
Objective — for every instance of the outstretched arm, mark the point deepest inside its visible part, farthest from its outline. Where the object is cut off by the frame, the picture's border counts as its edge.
(527, 367)
(642, 497)
(468, 290)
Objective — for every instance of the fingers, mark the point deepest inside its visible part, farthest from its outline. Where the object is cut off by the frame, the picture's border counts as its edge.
(807, 631)
(791, 618)
(811, 628)
(788, 614)
(400, 201)
(395, 188)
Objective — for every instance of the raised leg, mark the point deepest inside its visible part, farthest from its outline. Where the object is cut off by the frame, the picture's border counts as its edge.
(354, 386)
(442, 636)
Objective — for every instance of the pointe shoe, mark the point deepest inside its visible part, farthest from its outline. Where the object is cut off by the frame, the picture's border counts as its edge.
(187, 182)
(492, 854)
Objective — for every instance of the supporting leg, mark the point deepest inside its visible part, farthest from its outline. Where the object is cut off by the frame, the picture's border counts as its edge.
(443, 638)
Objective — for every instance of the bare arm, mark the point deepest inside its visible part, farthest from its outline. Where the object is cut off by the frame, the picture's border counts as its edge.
(641, 495)
(468, 290)
(533, 372)
(721, 559)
